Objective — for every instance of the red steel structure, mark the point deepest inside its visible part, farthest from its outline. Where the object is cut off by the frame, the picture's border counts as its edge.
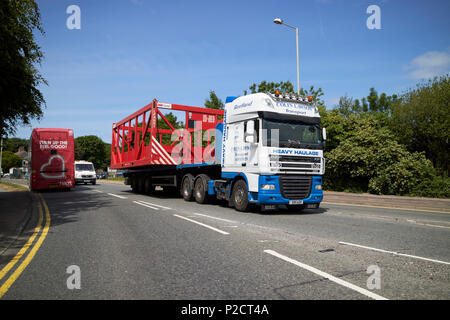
(138, 142)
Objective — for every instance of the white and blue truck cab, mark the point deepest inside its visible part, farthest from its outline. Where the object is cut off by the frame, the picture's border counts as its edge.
(271, 152)
(267, 151)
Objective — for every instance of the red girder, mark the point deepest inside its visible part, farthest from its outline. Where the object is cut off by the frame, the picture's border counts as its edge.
(148, 147)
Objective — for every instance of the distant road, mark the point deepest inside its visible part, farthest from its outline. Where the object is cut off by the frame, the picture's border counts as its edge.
(131, 246)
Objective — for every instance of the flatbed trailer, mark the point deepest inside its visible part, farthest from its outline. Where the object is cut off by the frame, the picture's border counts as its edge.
(222, 154)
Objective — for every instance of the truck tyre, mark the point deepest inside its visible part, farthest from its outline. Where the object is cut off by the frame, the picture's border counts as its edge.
(187, 186)
(239, 196)
(140, 184)
(94, 182)
(133, 183)
(201, 189)
(148, 188)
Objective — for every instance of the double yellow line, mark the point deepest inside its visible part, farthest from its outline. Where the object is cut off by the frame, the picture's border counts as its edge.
(34, 248)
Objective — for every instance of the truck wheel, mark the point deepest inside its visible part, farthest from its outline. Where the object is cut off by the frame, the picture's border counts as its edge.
(140, 184)
(187, 185)
(94, 182)
(133, 183)
(239, 196)
(148, 188)
(201, 189)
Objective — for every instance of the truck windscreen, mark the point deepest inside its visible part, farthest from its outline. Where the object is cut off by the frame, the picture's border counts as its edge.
(84, 167)
(291, 134)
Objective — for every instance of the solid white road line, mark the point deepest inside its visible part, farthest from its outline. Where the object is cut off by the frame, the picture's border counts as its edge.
(152, 204)
(117, 196)
(327, 276)
(98, 191)
(146, 205)
(202, 224)
(204, 215)
(393, 252)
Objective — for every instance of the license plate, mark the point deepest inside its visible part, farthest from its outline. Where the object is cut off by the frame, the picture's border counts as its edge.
(87, 181)
(295, 201)
(51, 186)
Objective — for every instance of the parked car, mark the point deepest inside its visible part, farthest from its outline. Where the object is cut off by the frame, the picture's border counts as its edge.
(101, 175)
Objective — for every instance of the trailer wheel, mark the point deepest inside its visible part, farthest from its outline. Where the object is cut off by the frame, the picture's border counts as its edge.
(201, 189)
(133, 183)
(140, 184)
(148, 188)
(239, 196)
(187, 185)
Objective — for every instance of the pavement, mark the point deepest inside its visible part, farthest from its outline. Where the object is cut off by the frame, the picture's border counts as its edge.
(15, 212)
(418, 203)
(131, 246)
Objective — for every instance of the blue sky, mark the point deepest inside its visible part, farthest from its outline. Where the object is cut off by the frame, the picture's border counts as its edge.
(128, 52)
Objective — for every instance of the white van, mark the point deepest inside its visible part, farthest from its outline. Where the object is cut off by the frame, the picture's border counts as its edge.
(85, 172)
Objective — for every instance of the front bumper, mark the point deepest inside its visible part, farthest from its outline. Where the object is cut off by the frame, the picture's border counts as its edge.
(85, 180)
(275, 197)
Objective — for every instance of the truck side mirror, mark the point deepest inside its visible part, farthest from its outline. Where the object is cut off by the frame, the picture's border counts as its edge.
(324, 133)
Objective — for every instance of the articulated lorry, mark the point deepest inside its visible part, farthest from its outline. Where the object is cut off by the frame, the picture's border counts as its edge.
(263, 149)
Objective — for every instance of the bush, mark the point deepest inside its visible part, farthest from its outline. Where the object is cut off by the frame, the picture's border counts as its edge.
(437, 187)
(402, 176)
(10, 160)
(371, 160)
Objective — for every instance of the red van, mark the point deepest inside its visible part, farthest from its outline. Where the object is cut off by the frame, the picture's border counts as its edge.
(51, 156)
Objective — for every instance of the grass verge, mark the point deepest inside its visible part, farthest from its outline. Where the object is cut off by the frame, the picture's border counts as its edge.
(9, 186)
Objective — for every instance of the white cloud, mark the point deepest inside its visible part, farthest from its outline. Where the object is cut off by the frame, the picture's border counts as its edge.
(429, 65)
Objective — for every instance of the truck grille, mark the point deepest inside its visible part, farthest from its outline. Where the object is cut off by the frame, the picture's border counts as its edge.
(295, 187)
(296, 164)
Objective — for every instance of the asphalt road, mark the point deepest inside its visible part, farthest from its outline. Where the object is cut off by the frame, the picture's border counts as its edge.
(166, 248)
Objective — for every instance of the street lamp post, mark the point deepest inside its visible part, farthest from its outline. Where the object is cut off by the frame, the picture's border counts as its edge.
(280, 21)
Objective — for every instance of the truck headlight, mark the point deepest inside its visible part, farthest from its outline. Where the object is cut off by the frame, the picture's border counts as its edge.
(267, 187)
(318, 187)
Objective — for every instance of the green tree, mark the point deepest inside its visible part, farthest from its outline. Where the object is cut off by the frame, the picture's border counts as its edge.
(271, 87)
(91, 148)
(107, 154)
(213, 102)
(173, 120)
(421, 121)
(20, 98)
(10, 160)
(13, 144)
(370, 159)
(287, 87)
